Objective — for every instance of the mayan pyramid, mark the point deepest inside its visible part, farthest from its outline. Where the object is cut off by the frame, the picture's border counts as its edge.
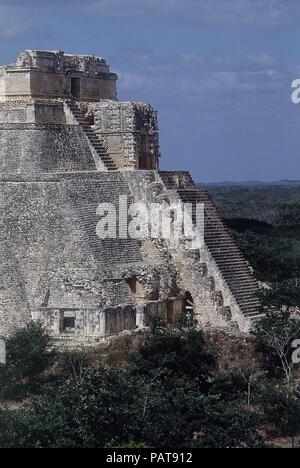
(67, 145)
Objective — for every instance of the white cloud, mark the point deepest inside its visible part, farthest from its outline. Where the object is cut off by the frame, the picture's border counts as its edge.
(243, 12)
(197, 78)
(14, 24)
(227, 12)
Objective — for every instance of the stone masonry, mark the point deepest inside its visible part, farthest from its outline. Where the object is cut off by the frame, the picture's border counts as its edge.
(67, 145)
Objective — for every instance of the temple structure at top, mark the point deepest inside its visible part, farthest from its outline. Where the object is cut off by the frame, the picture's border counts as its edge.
(53, 74)
(51, 87)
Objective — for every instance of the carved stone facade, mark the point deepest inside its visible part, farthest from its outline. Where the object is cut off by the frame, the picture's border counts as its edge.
(130, 133)
(53, 74)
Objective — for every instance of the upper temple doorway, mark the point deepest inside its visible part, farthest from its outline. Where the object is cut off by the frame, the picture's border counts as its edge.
(75, 87)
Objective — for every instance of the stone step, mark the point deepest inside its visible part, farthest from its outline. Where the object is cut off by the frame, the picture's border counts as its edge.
(92, 137)
(221, 244)
(255, 317)
(224, 258)
(250, 302)
(237, 269)
(248, 299)
(251, 310)
(239, 283)
(241, 288)
(221, 247)
(247, 295)
(229, 266)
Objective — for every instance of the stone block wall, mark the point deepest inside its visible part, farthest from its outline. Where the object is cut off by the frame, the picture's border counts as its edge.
(53, 74)
(32, 111)
(49, 247)
(42, 148)
(119, 319)
(49, 112)
(50, 319)
(110, 321)
(16, 113)
(2, 84)
(14, 86)
(197, 271)
(88, 322)
(170, 310)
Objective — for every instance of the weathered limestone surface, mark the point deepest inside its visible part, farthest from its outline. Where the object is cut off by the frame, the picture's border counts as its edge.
(32, 111)
(50, 228)
(53, 257)
(216, 275)
(39, 148)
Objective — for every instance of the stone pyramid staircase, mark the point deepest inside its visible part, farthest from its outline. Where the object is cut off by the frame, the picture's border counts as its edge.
(219, 241)
(93, 139)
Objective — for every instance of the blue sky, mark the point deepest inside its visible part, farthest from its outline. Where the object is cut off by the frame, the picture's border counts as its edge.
(219, 72)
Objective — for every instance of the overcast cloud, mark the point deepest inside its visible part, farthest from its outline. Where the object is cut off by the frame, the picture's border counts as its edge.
(261, 13)
(204, 77)
(257, 12)
(230, 12)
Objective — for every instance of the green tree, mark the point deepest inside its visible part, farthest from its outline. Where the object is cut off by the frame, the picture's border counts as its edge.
(29, 351)
(162, 400)
(174, 353)
(274, 336)
(285, 294)
(237, 385)
(281, 407)
(180, 416)
(271, 257)
(99, 410)
(226, 424)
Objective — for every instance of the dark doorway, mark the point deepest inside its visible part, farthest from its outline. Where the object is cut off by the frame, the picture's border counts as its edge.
(143, 162)
(75, 87)
(69, 323)
(189, 308)
(189, 303)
